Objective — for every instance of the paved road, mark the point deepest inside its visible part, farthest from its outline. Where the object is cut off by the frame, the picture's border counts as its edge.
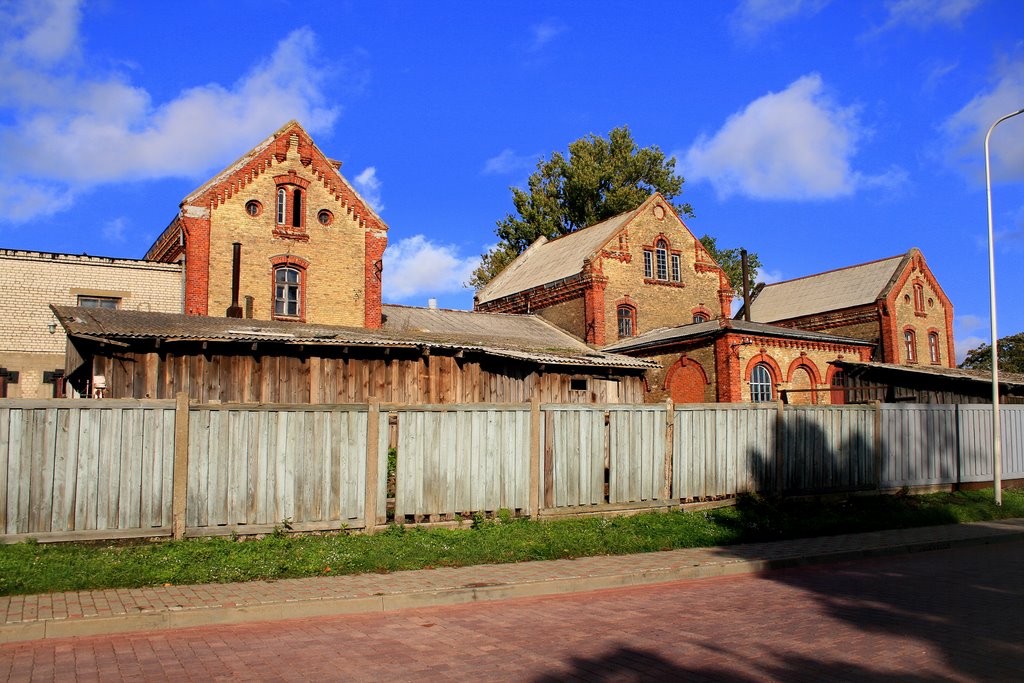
(949, 615)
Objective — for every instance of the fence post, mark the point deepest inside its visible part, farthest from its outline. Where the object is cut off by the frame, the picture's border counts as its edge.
(179, 486)
(371, 482)
(780, 446)
(877, 460)
(535, 456)
(670, 427)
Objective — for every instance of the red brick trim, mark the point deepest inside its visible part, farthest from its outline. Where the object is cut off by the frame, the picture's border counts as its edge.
(727, 373)
(702, 310)
(593, 312)
(683, 361)
(301, 265)
(375, 243)
(197, 264)
(903, 340)
(812, 370)
(773, 367)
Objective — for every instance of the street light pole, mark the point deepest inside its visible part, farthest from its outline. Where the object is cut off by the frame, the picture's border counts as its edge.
(997, 462)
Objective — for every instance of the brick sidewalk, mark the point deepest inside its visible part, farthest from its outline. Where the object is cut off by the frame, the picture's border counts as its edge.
(79, 613)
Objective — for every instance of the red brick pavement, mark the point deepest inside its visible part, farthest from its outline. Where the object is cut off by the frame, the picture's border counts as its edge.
(945, 615)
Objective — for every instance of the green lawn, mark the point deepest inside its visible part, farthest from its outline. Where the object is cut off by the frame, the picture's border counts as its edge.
(39, 568)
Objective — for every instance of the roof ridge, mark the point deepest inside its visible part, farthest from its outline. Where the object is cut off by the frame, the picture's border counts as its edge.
(836, 270)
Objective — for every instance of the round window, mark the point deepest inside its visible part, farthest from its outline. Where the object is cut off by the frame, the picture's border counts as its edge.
(253, 208)
(325, 217)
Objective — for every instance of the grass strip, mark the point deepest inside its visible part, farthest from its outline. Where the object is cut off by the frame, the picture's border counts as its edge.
(31, 567)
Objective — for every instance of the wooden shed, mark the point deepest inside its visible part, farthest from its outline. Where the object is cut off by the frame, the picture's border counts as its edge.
(890, 383)
(419, 356)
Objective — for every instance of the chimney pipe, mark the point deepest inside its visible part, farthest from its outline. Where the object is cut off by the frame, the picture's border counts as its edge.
(431, 303)
(235, 311)
(746, 285)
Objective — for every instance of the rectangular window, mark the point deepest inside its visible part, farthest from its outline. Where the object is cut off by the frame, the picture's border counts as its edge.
(648, 264)
(675, 268)
(99, 301)
(662, 265)
(578, 384)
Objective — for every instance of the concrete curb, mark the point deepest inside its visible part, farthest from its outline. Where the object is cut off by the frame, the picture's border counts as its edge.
(185, 617)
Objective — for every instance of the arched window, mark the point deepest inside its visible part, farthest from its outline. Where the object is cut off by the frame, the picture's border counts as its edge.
(627, 321)
(918, 298)
(910, 345)
(661, 259)
(760, 384)
(287, 292)
(282, 205)
(699, 318)
(933, 347)
(297, 208)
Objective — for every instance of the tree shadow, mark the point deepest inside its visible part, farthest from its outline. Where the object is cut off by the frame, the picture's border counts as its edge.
(967, 604)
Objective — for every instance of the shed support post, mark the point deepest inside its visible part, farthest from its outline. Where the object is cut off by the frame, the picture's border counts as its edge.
(179, 486)
(372, 468)
(670, 419)
(780, 447)
(535, 442)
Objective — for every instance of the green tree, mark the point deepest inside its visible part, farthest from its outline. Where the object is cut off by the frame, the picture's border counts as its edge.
(732, 262)
(1011, 355)
(598, 178)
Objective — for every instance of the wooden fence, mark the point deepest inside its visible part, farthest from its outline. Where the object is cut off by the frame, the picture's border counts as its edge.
(114, 468)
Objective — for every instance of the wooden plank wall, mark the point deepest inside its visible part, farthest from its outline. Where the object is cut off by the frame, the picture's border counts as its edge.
(722, 450)
(462, 459)
(975, 441)
(74, 466)
(399, 377)
(260, 466)
(637, 447)
(575, 455)
(828, 447)
(919, 444)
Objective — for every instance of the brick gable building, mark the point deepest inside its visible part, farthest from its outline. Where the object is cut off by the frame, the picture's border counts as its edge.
(896, 303)
(635, 272)
(311, 247)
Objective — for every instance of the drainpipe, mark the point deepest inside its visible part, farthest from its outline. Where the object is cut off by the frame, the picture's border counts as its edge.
(234, 310)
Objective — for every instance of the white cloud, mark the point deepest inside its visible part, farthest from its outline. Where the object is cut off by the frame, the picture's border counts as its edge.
(113, 231)
(969, 323)
(543, 33)
(964, 344)
(794, 144)
(751, 18)
(770, 277)
(368, 185)
(923, 14)
(965, 130)
(508, 162)
(74, 131)
(418, 268)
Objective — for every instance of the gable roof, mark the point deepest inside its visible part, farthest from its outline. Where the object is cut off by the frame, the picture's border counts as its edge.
(548, 261)
(829, 291)
(257, 160)
(520, 337)
(712, 328)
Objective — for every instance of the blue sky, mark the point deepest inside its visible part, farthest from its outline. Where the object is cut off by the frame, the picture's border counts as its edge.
(818, 134)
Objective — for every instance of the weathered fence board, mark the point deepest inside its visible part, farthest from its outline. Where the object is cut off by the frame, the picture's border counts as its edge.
(719, 451)
(577, 442)
(919, 445)
(72, 466)
(455, 460)
(261, 467)
(81, 468)
(827, 448)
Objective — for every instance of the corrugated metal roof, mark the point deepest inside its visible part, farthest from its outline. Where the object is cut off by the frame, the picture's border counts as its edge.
(830, 291)
(710, 328)
(511, 336)
(984, 376)
(550, 261)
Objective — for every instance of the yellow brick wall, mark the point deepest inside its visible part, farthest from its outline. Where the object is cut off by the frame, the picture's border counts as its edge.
(934, 317)
(784, 352)
(657, 305)
(568, 315)
(336, 253)
(43, 279)
(657, 393)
